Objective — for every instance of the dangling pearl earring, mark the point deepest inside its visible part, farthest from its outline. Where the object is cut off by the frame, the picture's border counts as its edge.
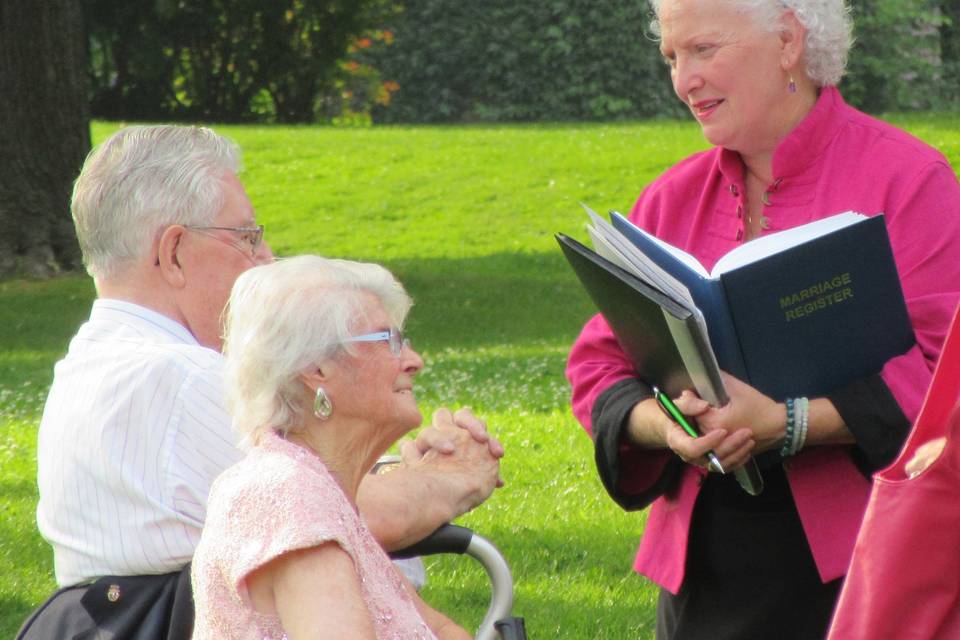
(792, 85)
(322, 407)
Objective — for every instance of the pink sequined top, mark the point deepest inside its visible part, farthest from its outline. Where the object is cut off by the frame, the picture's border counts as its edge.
(281, 498)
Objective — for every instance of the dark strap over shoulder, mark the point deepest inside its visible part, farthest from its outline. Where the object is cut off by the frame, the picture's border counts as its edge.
(156, 607)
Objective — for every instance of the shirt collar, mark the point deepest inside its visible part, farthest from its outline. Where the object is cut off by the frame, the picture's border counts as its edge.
(165, 324)
(808, 140)
(802, 146)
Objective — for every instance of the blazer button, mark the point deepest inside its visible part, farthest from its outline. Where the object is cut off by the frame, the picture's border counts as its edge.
(113, 593)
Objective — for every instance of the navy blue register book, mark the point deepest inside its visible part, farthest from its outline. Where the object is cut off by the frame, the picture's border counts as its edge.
(800, 312)
(667, 342)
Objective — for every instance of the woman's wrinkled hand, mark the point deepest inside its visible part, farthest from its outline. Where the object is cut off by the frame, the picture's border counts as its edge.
(748, 409)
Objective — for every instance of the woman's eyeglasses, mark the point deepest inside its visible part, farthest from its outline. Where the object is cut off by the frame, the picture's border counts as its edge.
(393, 337)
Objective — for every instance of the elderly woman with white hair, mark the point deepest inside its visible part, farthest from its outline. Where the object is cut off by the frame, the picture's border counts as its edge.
(320, 383)
(759, 76)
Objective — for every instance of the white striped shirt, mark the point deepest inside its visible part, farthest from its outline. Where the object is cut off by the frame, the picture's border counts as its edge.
(133, 433)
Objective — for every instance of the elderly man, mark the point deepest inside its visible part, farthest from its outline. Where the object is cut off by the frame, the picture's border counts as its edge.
(135, 429)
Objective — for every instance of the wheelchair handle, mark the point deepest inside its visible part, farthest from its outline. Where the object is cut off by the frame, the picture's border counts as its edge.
(451, 538)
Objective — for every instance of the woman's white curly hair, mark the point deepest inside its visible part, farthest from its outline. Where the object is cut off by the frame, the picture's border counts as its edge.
(827, 22)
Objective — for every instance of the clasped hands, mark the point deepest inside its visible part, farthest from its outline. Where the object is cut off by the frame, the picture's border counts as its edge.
(458, 447)
(748, 424)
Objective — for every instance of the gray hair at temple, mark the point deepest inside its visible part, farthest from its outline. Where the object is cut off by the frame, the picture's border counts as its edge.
(142, 180)
(285, 318)
(827, 22)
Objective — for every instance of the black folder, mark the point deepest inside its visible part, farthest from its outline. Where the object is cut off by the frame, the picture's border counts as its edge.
(663, 339)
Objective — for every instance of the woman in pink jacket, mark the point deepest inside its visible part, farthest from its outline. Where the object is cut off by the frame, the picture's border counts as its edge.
(759, 76)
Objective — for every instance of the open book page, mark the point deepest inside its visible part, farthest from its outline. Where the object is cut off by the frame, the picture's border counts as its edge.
(615, 248)
(606, 238)
(693, 344)
(680, 255)
(776, 242)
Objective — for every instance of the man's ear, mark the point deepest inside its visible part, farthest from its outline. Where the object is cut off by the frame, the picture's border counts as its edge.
(168, 259)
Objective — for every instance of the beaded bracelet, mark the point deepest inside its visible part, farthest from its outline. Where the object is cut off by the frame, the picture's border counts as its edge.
(785, 450)
(798, 421)
(804, 421)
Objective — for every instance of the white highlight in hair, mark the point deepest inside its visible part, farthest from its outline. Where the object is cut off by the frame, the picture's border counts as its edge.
(142, 180)
(287, 317)
(829, 31)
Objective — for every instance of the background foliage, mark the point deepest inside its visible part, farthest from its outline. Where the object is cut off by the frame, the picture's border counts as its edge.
(353, 61)
(595, 59)
(905, 56)
(220, 60)
(504, 60)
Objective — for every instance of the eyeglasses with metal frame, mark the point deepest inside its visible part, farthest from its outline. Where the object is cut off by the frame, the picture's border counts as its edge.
(251, 237)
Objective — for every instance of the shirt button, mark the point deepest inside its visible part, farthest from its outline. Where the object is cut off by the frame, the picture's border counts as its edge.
(734, 191)
(739, 234)
(739, 212)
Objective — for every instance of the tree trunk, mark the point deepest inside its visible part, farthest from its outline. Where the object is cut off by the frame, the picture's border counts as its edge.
(44, 133)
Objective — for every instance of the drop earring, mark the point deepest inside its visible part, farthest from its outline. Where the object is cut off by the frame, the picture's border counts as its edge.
(792, 85)
(322, 407)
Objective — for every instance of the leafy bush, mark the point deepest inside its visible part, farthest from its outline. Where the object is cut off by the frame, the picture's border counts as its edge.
(355, 61)
(220, 60)
(896, 62)
(516, 61)
(594, 60)
(359, 86)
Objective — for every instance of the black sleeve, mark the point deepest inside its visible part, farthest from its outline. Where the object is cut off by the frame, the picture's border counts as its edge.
(609, 419)
(875, 419)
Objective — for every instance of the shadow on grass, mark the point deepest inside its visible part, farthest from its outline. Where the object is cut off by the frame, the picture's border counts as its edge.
(25, 560)
(13, 612)
(37, 320)
(601, 599)
(18, 489)
(500, 299)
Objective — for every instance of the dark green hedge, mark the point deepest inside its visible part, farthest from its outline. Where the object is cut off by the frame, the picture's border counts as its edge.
(554, 60)
(502, 60)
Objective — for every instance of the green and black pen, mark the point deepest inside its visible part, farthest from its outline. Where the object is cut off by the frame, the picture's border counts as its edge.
(674, 414)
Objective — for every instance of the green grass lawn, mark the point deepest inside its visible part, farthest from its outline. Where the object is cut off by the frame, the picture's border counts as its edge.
(465, 217)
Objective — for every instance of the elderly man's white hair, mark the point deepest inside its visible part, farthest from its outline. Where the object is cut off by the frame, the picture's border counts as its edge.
(289, 316)
(828, 24)
(140, 181)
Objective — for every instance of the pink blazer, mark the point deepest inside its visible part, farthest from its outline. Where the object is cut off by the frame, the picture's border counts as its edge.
(837, 159)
